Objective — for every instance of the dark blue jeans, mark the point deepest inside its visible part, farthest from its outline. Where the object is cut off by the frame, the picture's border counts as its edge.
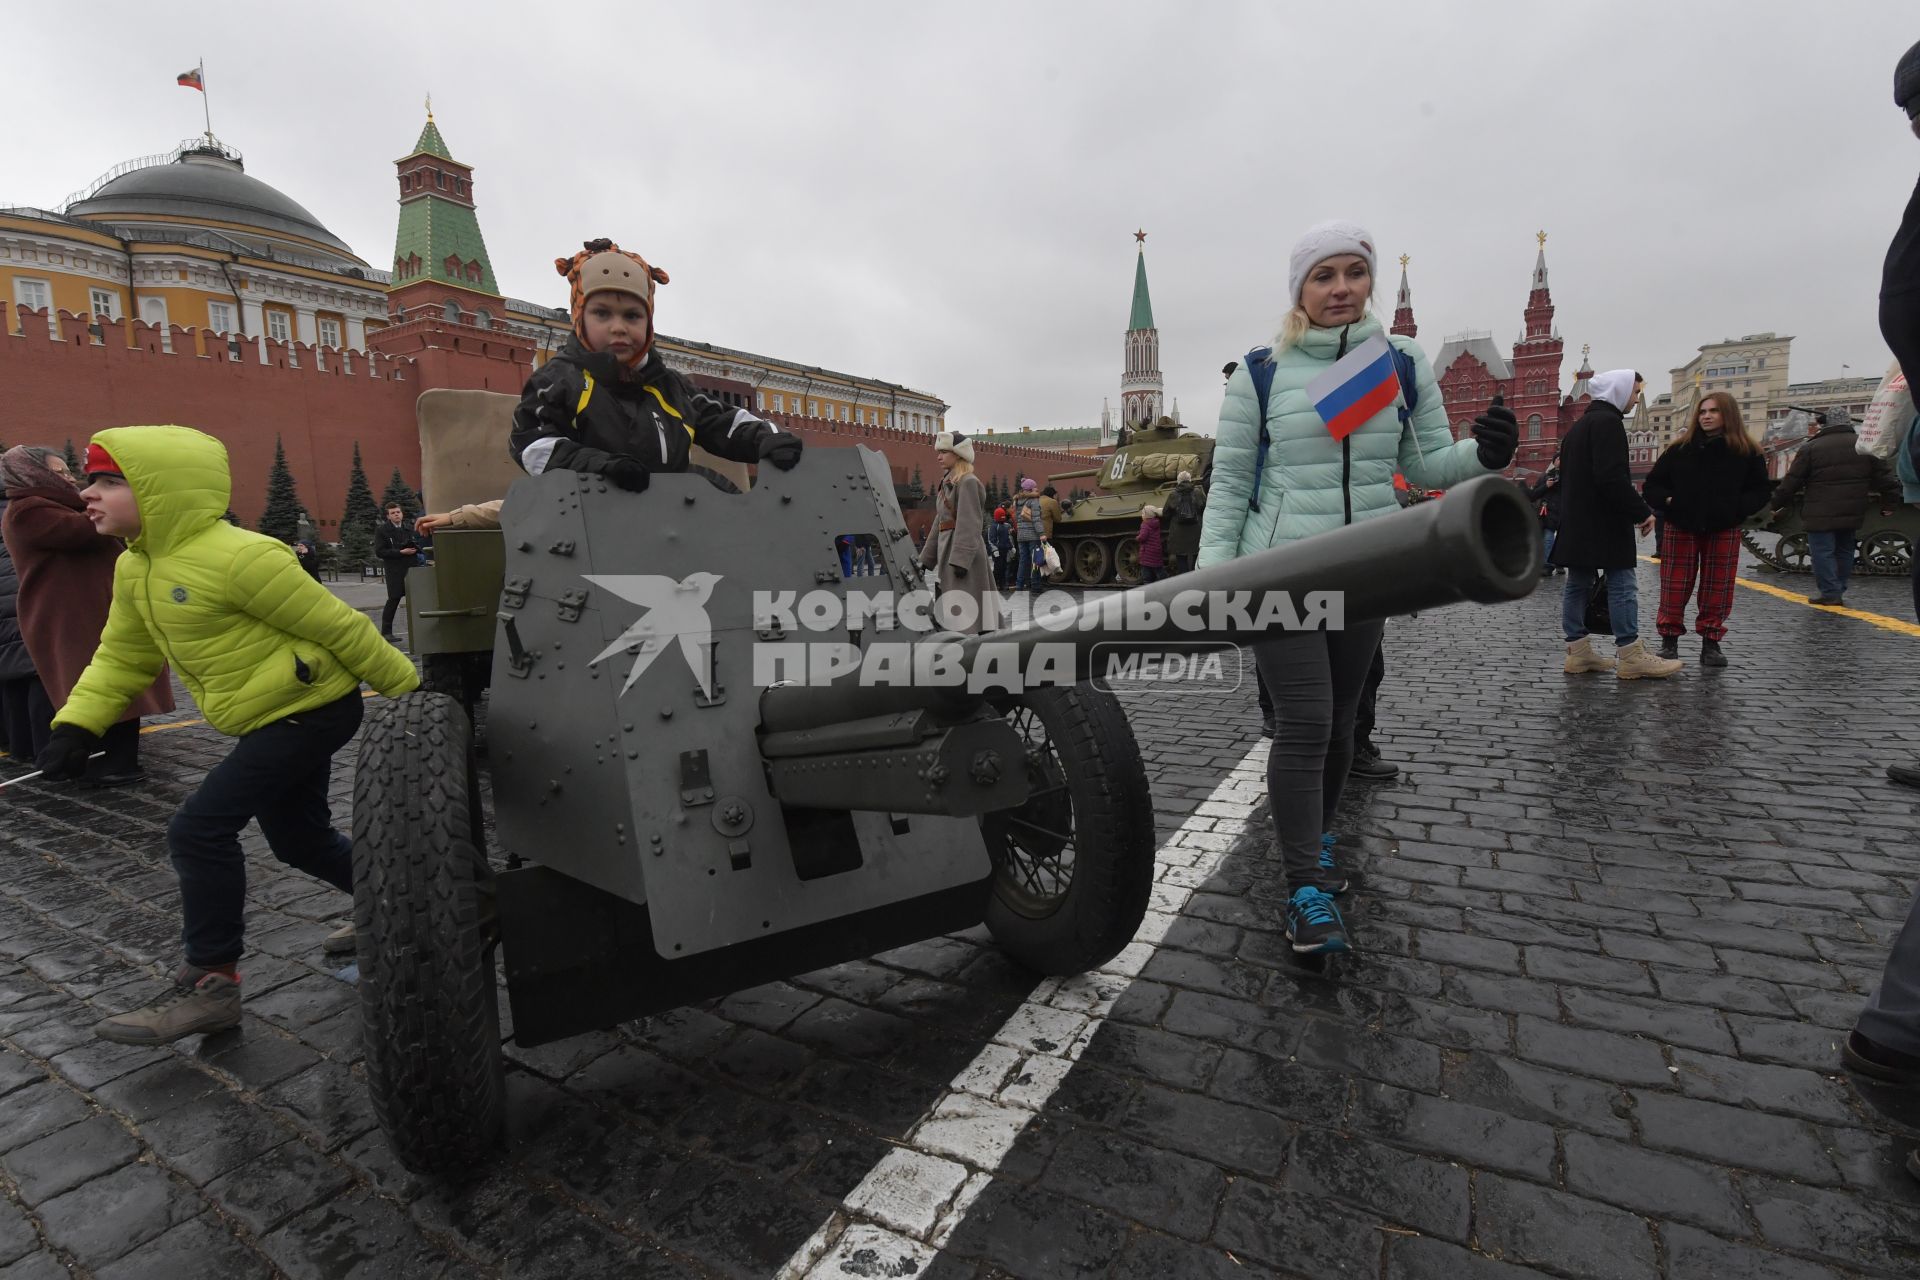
(1832, 553)
(277, 774)
(1623, 604)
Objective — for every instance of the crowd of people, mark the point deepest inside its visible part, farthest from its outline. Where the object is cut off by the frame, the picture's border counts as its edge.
(111, 583)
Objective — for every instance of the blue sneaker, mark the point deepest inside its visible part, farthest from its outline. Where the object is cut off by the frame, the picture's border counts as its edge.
(1331, 878)
(1313, 923)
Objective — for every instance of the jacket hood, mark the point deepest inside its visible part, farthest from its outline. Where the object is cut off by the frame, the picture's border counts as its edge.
(1324, 344)
(1615, 387)
(179, 480)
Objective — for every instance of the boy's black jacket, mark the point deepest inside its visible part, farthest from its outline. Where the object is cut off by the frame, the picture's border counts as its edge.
(652, 413)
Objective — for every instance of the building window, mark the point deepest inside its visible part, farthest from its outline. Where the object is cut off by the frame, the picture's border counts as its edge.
(277, 327)
(813, 408)
(329, 332)
(104, 303)
(219, 317)
(1533, 427)
(843, 413)
(779, 404)
(483, 318)
(451, 311)
(36, 294)
(439, 179)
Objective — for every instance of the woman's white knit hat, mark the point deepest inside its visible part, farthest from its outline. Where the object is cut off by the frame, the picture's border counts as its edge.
(955, 443)
(1327, 240)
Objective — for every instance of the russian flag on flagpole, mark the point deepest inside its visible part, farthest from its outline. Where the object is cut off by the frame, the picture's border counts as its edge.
(191, 79)
(1360, 384)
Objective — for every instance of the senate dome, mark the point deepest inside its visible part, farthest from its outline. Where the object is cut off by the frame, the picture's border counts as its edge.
(205, 186)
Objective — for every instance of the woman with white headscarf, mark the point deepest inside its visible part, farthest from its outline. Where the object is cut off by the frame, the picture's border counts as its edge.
(1305, 479)
(1599, 511)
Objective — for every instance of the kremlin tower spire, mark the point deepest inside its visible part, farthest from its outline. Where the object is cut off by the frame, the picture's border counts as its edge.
(1403, 305)
(440, 263)
(1142, 392)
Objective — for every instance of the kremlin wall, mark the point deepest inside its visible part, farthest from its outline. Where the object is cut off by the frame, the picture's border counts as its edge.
(319, 402)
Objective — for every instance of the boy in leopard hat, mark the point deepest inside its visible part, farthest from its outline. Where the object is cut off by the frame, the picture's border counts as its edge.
(608, 404)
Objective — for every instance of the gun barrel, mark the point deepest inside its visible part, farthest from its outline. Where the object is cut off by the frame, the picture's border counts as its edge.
(1481, 542)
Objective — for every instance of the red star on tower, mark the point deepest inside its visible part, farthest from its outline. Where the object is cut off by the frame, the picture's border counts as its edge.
(1140, 237)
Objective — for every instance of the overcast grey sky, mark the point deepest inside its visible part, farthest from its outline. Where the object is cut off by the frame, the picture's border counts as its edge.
(944, 195)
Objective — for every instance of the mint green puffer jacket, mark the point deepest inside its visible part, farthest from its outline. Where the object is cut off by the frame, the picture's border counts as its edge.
(1302, 490)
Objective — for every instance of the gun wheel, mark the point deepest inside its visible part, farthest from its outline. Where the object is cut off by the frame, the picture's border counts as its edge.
(1073, 865)
(1888, 551)
(1793, 554)
(423, 913)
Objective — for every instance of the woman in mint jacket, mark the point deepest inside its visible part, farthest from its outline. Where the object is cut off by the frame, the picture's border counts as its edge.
(1312, 483)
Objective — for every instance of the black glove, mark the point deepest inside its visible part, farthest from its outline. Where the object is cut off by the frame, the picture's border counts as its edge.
(782, 450)
(66, 752)
(1498, 432)
(550, 408)
(630, 474)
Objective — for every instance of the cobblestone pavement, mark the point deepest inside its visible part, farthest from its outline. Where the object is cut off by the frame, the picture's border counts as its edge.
(1610, 935)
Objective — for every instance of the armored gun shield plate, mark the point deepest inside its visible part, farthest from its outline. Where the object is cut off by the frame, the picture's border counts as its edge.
(626, 707)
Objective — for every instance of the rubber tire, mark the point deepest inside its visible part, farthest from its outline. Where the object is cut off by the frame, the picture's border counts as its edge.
(1113, 839)
(422, 909)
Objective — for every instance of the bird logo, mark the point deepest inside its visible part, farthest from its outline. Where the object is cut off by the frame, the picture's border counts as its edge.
(668, 609)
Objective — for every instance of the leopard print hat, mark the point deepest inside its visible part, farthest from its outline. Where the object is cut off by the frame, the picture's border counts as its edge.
(602, 266)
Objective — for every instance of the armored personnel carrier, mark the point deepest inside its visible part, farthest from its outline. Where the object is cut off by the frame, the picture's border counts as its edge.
(684, 805)
(1098, 539)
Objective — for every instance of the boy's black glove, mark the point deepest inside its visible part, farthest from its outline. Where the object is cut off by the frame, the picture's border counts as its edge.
(65, 755)
(550, 408)
(782, 450)
(1498, 433)
(630, 474)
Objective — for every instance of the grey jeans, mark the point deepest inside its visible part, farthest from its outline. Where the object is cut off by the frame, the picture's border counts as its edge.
(1892, 1016)
(1315, 679)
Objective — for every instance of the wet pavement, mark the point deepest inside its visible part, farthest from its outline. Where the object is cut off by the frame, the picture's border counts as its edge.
(1610, 936)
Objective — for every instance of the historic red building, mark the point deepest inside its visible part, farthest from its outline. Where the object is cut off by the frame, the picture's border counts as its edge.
(1471, 370)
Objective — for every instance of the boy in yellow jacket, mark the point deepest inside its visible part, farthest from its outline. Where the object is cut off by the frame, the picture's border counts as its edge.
(271, 657)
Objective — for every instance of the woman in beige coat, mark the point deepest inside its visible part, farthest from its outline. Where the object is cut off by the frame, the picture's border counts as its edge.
(956, 546)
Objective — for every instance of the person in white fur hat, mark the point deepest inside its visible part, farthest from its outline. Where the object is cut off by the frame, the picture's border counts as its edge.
(956, 546)
(1305, 482)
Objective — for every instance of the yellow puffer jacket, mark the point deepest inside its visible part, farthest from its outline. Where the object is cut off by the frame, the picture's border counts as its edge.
(249, 632)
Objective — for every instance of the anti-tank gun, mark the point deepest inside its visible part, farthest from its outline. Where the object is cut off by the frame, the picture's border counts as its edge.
(695, 792)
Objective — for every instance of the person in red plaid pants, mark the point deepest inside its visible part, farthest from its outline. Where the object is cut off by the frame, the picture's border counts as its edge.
(1703, 487)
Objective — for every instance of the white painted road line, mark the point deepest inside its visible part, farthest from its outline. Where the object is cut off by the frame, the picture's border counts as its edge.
(904, 1211)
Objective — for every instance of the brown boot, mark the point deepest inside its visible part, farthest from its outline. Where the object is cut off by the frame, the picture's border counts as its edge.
(201, 1001)
(1581, 658)
(1636, 662)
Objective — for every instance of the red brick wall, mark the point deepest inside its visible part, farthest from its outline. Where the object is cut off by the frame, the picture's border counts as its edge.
(68, 389)
(55, 391)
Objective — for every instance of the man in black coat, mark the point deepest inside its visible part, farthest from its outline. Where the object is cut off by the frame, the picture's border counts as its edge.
(396, 545)
(1599, 511)
(1885, 1041)
(1836, 477)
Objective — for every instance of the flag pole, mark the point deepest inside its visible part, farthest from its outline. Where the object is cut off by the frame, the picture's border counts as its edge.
(206, 107)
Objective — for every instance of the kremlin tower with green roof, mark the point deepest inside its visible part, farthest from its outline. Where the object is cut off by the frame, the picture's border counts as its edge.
(1142, 392)
(440, 264)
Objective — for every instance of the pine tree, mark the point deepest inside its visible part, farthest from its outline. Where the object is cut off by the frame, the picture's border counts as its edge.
(282, 517)
(73, 459)
(916, 488)
(357, 524)
(399, 491)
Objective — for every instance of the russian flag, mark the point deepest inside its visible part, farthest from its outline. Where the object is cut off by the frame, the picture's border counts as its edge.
(1360, 384)
(191, 79)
